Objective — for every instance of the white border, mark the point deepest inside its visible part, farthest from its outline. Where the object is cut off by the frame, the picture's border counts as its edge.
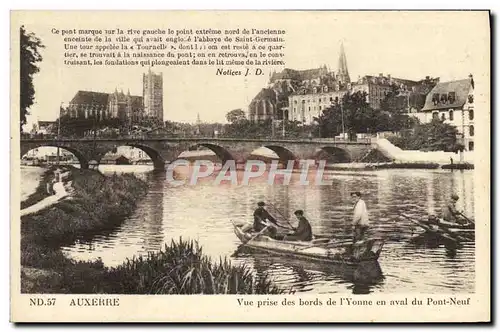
(186, 4)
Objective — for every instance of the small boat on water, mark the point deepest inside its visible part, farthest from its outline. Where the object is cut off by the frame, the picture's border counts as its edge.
(318, 250)
(440, 228)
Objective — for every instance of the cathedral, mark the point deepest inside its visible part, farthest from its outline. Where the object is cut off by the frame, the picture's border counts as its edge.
(118, 105)
(302, 95)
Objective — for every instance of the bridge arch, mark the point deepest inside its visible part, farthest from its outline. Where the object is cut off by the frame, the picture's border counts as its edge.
(84, 162)
(221, 152)
(283, 153)
(334, 154)
(156, 157)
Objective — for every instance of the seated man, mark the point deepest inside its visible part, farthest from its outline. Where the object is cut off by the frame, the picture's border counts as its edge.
(450, 212)
(303, 232)
(261, 217)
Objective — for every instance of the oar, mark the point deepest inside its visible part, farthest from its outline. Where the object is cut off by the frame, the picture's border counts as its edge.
(469, 220)
(286, 219)
(259, 233)
(427, 228)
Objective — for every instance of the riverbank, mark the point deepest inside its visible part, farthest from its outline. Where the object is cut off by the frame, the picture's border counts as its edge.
(396, 165)
(101, 203)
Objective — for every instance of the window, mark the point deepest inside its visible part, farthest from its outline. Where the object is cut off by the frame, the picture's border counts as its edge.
(319, 100)
(471, 99)
(443, 117)
(309, 108)
(444, 98)
(435, 98)
(451, 115)
(471, 114)
(471, 146)
(451, 97)
(331, 98)
(435, 115)
(471, 130)
(320, 108)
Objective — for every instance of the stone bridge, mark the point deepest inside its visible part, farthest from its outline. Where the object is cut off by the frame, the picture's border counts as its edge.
(162, 150)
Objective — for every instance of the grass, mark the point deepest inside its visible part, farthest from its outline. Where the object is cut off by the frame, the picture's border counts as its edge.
(101, 203)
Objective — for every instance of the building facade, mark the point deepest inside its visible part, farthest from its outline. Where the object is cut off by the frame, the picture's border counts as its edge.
(152, 92)
(118, 105)
(453, 103)
(302, 95)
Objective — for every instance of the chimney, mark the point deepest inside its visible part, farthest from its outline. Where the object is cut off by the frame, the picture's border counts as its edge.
(427, 77)
(381, 75)
(471, 80)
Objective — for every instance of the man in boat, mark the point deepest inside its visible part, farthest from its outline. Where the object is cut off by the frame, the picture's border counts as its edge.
(450, 212)
(262, 218)
(360, 220)
(303, 232)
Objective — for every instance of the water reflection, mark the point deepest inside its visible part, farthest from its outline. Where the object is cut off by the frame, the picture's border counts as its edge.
(204, 213)
(303, 276)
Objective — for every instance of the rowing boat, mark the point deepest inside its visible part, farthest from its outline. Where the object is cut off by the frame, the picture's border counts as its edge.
(447, 230)
(318, 250)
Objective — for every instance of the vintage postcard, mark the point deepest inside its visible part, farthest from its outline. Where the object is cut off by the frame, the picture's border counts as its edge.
(250, 166)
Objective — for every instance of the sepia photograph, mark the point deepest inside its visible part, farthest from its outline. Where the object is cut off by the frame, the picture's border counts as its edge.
(277, 153)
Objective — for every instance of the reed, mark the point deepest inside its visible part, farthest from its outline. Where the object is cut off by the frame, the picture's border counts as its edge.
(182, 268)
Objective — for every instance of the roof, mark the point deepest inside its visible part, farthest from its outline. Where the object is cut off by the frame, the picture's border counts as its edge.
(100, 98)
(265, 94)
(89, 98)
(45, 123)
(461, 89)
(299, 75)
(386, 80)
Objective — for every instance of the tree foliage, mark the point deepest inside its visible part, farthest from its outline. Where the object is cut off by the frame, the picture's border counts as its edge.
(394, 109)
(432, 136)
(235, 115)
(29, 57)
(351, 113)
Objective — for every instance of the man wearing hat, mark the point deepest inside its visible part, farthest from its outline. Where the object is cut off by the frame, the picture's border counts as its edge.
(360, 220)
(450, 212)
(303, 232)
(261, 217)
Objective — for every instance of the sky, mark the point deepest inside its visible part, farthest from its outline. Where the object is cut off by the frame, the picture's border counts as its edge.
(408, 45)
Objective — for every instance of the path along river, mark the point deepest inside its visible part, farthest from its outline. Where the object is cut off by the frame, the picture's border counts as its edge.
(204, 212)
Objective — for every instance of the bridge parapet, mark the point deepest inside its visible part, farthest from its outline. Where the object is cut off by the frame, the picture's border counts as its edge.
(162, 149)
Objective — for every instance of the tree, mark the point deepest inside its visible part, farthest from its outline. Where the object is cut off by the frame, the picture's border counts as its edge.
(29, 57)
(433, 136)
(395, 107)
(352, 113)
(235, 115)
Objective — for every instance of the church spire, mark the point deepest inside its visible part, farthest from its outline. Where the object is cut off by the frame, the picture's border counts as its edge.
(342, 67)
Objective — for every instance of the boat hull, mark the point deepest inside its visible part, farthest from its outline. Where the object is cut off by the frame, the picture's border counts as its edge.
(440, 228)
(316, 251)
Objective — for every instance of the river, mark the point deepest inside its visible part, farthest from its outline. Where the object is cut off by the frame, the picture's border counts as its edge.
(204, 213)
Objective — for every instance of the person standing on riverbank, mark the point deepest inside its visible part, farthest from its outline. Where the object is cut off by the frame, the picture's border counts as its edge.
(360, 220)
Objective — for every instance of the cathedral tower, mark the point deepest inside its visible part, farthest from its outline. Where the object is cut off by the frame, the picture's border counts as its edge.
(343, 73)
(152, 92)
